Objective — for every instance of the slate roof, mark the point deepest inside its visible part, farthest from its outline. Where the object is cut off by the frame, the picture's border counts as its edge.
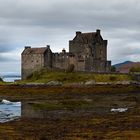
(87, 37)
(35, 50)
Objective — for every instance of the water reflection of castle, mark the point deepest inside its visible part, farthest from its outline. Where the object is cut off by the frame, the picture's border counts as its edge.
(29, 111)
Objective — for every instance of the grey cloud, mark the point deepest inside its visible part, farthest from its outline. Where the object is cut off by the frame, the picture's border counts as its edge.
(5, 47)
(37, 23)
(9, 67)
(70, 13)
(4, 59)
(130, 50)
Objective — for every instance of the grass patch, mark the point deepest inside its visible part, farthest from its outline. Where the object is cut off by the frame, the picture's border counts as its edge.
(46, 106)
(6, 83)
(63, 105)
(44, 76)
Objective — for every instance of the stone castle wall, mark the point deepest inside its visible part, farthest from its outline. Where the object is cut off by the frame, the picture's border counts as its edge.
(87, 52)
(60, 60)
(31, 63)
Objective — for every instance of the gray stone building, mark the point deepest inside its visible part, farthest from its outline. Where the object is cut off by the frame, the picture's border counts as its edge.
(87, 52)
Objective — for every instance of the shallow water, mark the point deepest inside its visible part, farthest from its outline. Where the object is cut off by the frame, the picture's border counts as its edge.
(9, 110)
(11, 79)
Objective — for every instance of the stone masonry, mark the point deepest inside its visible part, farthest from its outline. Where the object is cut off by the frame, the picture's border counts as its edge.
(87, 52)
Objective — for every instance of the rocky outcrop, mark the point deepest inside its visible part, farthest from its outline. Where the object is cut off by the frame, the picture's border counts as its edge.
(90, 83)
(1, 79)
(50, 83)
(123, 82)
(54, 83)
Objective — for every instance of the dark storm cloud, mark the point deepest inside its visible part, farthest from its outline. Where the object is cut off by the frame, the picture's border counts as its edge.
(54, 22)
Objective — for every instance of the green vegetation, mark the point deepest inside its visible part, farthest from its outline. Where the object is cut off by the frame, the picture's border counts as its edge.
(1, 81)
(113, 78)
(24, 92)
(63, 105)
(135, 70)
(113, 69)
(4, 83)
(75, 77)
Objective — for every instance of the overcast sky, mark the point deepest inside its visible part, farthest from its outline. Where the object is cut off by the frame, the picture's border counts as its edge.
(40, 22)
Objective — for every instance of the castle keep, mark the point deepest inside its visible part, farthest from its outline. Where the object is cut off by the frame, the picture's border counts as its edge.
(87, 52)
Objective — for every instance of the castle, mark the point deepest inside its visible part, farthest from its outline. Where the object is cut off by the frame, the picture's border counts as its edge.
(87, 52)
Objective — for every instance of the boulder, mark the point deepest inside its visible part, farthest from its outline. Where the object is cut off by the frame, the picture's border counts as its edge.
(54, 83)
(90, 83)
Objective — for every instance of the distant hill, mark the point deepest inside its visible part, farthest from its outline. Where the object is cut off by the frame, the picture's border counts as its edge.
(126, 66)
(10, 76)
(123, 63)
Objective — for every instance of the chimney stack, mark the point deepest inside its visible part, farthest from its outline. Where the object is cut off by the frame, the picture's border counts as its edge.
(27, 47)
(48, 46)
(78, 32)
(63, 51)
(98, 31)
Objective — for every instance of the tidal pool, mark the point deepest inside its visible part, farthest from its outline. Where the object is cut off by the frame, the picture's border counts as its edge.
(9, 110)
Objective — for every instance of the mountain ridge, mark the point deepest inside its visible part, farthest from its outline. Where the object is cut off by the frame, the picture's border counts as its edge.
(125, 66)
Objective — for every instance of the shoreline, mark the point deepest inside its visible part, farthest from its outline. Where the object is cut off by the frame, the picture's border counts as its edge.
(72, 112)
(16, 92)
(57, 83)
